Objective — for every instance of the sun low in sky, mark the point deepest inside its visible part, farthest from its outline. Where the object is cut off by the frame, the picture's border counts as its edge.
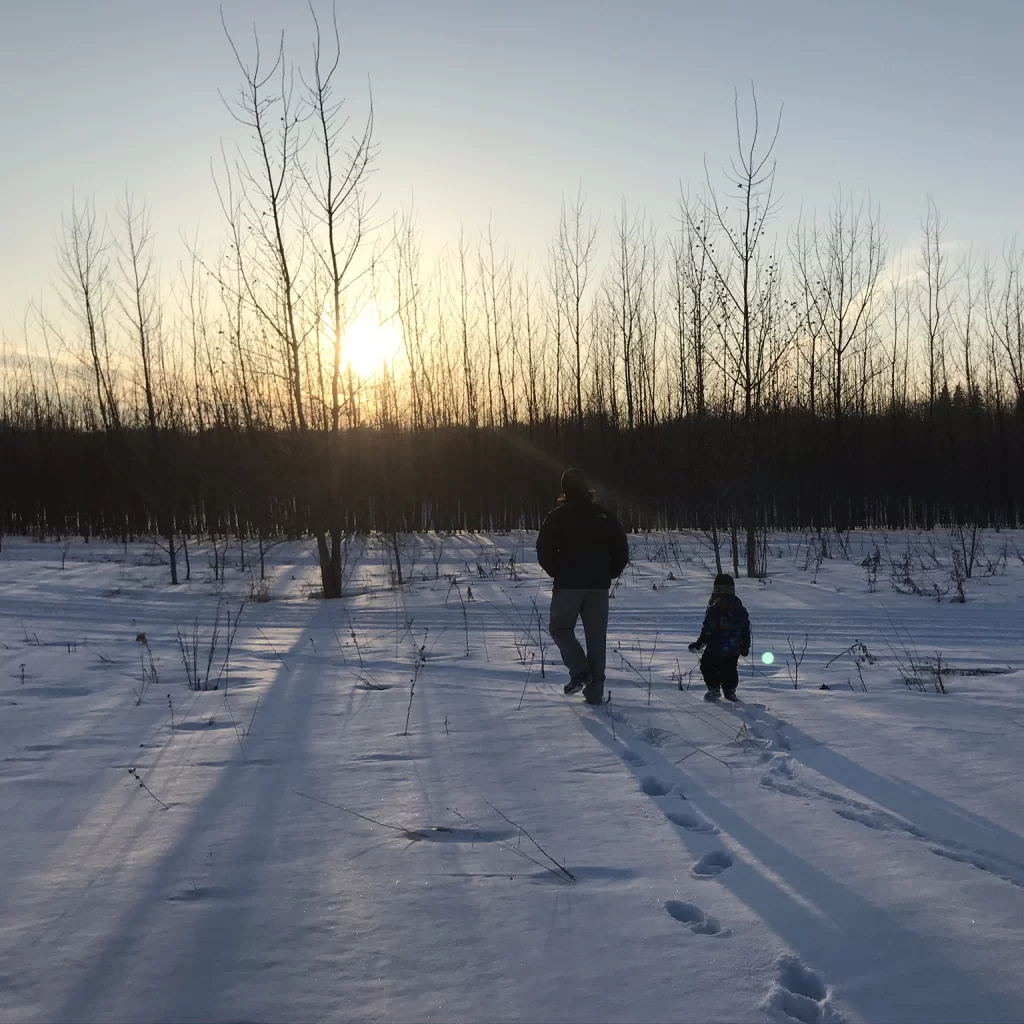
(368, 342)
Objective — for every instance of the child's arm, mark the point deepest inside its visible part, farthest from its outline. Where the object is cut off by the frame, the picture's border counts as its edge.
(707, 629)
(745, 635)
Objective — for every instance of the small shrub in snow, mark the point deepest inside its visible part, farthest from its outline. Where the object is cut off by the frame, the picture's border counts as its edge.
(996, 566)
(817, 552)
(843, 540)
(915, 670)
(149, 675)
(794, 669)
(968, 541)
(259, 591)
(521, 696)
(901, 576)
(190, 645)
(870, 565)
(957, 576)
(861, 656)
(142, 785)
(392, 547)
(418, 664)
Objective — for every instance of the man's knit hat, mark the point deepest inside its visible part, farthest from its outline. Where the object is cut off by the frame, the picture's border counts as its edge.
(724, 584)
(575, 484)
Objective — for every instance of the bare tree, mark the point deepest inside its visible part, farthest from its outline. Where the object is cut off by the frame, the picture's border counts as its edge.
(1005, 317)
(694, 295)
(494, 276)
(335, 184)
(298, 215)
(748, 280)
(965, 320)
(141, 304)
(838, 271)
(84, 263)
(933, 300)
(575, 249)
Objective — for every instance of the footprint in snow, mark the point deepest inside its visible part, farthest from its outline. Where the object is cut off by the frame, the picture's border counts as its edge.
(783, 764)
(781, 776)
(880, 821)
(712, 864)
(684, 819)
(1013, 875)
(632, 757)
(653, 736)
(800, 994)
(653, 786)
(699, 922)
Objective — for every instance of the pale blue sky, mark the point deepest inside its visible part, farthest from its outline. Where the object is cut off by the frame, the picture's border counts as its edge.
(488, 109)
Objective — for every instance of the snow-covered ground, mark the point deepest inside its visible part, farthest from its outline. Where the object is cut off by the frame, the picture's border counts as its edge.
(853, 853)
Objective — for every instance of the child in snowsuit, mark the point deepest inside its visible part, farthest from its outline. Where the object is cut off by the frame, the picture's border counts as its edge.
(724, 637)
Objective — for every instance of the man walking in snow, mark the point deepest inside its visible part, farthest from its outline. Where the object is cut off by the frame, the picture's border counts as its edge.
(582, 547)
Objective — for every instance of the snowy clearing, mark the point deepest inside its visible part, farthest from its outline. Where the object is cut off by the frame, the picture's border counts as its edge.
(383, 809)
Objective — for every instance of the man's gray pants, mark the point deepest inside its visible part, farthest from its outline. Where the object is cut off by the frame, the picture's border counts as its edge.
(592, 606)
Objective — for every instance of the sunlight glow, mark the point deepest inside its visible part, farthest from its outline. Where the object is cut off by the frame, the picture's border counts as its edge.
(768, 658)
(367, 344)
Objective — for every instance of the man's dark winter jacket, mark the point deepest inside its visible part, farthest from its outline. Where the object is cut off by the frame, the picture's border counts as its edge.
(726, 631)
(582, 546)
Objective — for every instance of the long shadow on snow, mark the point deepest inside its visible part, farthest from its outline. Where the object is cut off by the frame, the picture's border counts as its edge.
(189, 991)
(82, 808)
(435, 767)
(490, 713)
(857, 945)
(933, 814)
(439, 771)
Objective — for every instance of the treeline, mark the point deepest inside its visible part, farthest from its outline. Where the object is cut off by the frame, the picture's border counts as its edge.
(711, 375)
(899, 471)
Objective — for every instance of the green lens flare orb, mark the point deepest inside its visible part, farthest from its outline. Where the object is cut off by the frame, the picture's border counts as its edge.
(768, 658)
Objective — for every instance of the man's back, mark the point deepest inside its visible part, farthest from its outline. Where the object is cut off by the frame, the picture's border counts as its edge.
(581, 545)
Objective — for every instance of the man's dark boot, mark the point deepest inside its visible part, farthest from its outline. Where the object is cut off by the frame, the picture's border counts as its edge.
(730, 695)
(713, 695)
(578, 682)
(593, 692)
